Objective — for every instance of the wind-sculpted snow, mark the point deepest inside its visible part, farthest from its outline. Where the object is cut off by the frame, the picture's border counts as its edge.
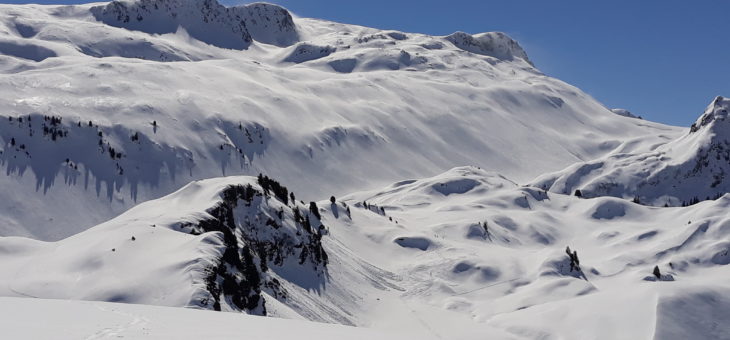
(501, 259)
(26, 51)
(470, 263)
(307, 52)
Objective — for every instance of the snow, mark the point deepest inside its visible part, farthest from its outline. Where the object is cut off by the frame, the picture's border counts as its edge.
(333, 103)
(625, 113)
(127, 148)
(494, 44)
(685, 168)
(486, 260)
(99, 320)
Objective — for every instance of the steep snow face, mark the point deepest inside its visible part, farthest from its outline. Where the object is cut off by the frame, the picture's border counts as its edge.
(681, 171)
(95, 118)
(205, 20)
(269, 24)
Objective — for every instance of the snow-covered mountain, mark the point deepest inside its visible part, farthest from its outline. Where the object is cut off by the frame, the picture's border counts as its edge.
(467, 253)
(180, 153)
(682, 171)
(331, 101)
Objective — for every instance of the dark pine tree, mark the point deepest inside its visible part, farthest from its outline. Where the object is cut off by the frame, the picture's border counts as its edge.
(314, 210)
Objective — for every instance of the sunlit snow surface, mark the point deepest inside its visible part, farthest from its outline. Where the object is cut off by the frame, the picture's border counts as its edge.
(125, 126)
(333, 104)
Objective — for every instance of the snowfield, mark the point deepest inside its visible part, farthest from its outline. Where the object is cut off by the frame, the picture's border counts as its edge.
(334, 103)
(102, 320)
(179, 153)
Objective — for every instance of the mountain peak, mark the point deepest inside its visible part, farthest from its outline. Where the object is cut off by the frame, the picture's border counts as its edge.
(717, 111)
(268, 23)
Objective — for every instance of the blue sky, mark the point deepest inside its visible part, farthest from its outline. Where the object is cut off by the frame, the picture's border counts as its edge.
(664, 60)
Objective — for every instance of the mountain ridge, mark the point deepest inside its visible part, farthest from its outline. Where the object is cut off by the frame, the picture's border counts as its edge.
(682, 171)
(143, 114)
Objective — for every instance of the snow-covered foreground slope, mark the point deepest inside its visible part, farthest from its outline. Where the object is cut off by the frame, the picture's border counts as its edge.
(683, 171)
(462, 255)
(108, 105)
(59, 320)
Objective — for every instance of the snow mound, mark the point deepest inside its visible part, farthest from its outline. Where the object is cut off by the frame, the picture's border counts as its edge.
(26, 50)
(457, 181)
(415, 242)
(268, 23)
(343, 65)
(560, 265)
(204, 20)
(493, 44)
(609, 209)
(304, 52)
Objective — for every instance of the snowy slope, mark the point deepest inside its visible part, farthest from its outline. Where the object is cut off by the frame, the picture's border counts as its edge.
(460, 255)
(473, 243)
(96, 320)
(306, 96)
(129, 131)
(684, 170)
(219, 244)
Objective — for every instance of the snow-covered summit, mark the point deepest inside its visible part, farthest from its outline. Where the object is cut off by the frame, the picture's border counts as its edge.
(714, 116)
(268, 23)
